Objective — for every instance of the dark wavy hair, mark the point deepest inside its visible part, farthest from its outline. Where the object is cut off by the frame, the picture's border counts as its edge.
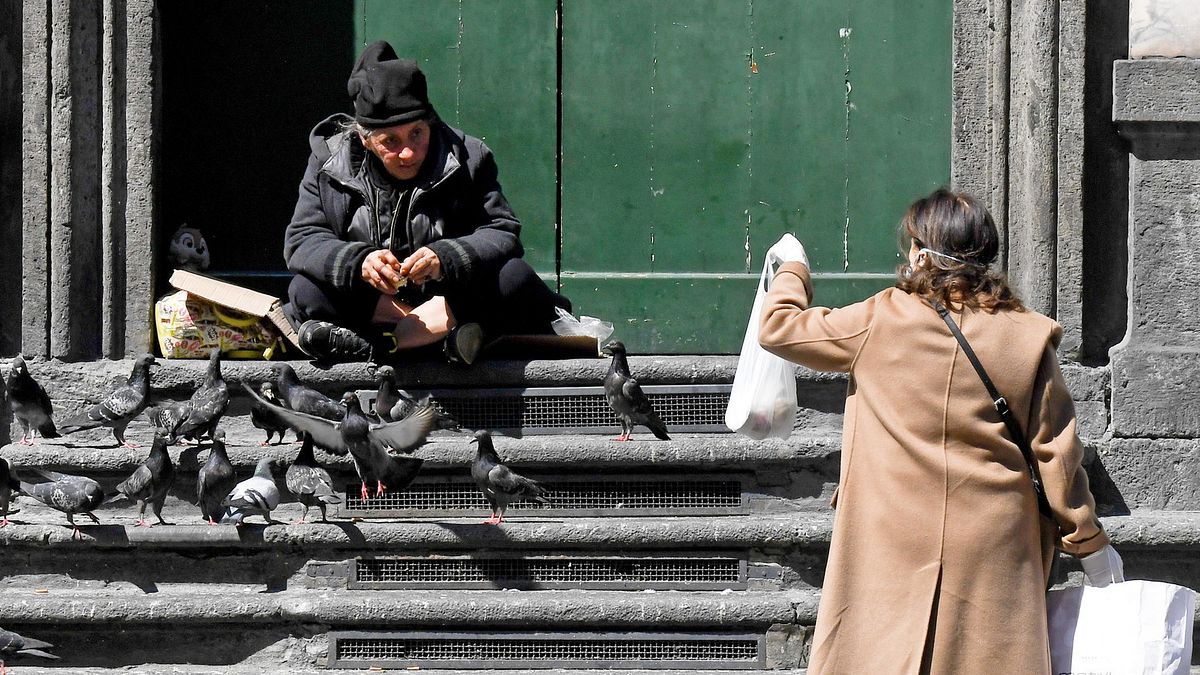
(956, 225)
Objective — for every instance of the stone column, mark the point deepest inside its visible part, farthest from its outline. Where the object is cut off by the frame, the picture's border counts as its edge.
(88, 99)
(1154, 369)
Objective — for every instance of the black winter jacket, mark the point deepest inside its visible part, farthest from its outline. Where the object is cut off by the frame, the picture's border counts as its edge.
(456, 209)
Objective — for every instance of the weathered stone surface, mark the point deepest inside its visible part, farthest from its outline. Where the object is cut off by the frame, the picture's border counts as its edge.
(1163, 28)
(1153, 369)
(1156, 90)
(1152, 473)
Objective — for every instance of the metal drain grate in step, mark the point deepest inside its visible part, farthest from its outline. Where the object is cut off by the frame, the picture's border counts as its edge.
(551, 572)
(457, 496)
(576, 410)
(546, 650)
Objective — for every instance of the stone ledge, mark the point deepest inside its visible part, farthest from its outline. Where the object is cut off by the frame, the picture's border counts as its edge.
(457, 609)
(447, 449)
(801, 529)
(1142, 529)
(1156, 90)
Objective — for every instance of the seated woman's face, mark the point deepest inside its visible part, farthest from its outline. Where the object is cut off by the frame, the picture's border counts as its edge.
(401, 148)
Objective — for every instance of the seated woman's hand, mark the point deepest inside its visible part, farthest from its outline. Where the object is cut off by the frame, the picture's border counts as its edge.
(381, 270)
(423, 265)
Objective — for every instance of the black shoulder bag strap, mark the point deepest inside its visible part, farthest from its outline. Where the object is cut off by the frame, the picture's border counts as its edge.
(1001, 405)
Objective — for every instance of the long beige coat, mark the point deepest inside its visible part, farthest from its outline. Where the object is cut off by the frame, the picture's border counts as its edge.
(938, 562)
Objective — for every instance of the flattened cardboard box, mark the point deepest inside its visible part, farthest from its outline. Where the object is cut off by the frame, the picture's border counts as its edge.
(235, 297)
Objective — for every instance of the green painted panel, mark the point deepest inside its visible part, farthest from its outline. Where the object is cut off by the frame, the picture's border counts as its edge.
(696, 132)
(682, 314)
(899, 147)
(492, 70)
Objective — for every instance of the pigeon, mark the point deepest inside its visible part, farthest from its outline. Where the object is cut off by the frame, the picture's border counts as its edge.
(625, 396)
(66, 493)
(367, 443)
(215, 479)
(7, 485)
(258, 495)
(29, 402)
(304, 399)
(169, 417)
(120, 407)
(500, 485)
(309, 483)
(12, 644)
(393, 404)
(264, 419)
(208, 403)
(151, 481)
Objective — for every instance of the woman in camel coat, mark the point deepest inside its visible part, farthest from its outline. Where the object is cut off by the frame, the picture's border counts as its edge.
(939, 558)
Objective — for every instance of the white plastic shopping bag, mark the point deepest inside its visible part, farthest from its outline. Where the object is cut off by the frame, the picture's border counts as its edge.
(762, 403)
(1133, 627)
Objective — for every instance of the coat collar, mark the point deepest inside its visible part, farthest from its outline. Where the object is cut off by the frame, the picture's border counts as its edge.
(345, 157)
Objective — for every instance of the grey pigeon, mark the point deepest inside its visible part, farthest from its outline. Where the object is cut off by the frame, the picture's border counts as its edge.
(29, 402)
(119, 408)
(13, 644)
(151, 481)
(208, 403)
(392, 404)
(625, 396)
(264, 419)
(66, 493)
(304, 399)
(215, 479)
(309, 483)
(7, 484)
(367, 443)
(500, 485)
(258, 495)
(169, 417)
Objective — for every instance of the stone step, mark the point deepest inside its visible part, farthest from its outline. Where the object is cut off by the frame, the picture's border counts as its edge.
(100, 628)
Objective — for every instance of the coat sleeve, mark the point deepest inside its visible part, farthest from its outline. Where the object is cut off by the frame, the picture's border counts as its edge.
(496, 237)
(818, 337)
(1059, 454)
(311, 245)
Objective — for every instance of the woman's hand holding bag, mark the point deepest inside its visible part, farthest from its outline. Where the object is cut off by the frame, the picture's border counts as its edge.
(762, 403)
(1103, 567)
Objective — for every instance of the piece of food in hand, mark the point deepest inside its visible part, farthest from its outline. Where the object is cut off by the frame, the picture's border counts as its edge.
(402, 281)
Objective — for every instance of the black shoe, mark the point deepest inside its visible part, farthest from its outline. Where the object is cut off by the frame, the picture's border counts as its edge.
(325, 341)
(463, 343)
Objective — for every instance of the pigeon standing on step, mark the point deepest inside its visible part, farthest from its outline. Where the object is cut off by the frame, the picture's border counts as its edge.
(169, 417)
(262, 418)
(215, 480)
(119, 408)
(258, 495)
(304, 399)
(66, 493)
(309, 483)
(29, 402)
(7, 485)
(208, 404)
(625, 396)
(500, 485)
(151, 481)
(367, 443)
(393, 405)
(13, 644)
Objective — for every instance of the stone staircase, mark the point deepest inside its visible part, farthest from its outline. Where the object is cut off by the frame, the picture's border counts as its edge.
(703, 553)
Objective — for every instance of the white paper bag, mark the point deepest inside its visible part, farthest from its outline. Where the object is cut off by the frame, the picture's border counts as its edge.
(1129, 628)
(762, 403)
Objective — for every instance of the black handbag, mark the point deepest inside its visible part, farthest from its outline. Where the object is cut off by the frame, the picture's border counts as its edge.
(1001, 405)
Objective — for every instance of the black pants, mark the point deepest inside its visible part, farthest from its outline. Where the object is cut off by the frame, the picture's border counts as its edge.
(512, 300)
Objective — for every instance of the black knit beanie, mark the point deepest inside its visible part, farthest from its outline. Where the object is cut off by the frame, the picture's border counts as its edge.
(387, 90)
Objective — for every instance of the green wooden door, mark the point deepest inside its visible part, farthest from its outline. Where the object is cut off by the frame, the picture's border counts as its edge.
(691, 134)
(492, 71)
